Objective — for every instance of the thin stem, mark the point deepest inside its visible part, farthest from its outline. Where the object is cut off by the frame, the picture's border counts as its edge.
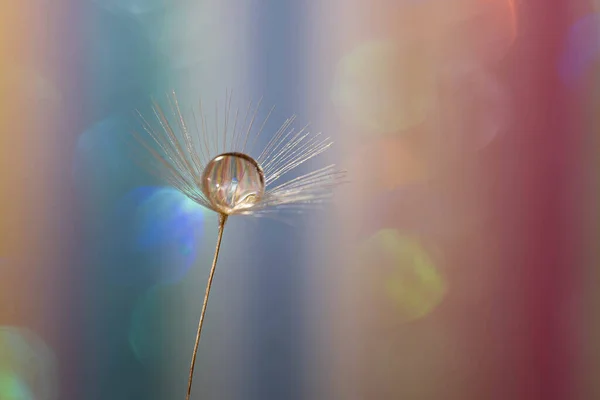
(222, 220)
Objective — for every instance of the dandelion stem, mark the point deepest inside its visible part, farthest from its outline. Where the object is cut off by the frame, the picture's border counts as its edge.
(222, 220)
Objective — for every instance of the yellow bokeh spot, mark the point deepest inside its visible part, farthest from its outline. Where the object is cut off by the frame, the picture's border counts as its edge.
(385, 87)
(410, 279)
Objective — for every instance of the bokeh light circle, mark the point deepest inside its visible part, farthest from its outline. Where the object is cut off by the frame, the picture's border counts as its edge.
(103, 167)
(402, 274)
(28, 367)
(152, 236)
(473, 109)
(582, 49)
(384, 87)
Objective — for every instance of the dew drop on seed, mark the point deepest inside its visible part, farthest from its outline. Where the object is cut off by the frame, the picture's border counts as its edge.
(233, 182)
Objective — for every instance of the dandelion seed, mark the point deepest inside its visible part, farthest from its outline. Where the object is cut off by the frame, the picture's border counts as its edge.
(216, 168)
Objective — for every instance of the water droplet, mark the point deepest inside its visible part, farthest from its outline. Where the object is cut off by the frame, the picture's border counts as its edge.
(233, 182)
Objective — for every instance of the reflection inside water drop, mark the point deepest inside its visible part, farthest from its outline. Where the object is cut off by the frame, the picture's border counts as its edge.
(233, 182)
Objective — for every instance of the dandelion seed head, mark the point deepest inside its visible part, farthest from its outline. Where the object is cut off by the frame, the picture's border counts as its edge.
(216, 165)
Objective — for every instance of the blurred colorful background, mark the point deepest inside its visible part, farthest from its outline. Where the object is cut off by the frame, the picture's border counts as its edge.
(460, 262)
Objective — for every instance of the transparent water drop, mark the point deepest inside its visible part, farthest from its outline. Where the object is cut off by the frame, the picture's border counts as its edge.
(233, 182)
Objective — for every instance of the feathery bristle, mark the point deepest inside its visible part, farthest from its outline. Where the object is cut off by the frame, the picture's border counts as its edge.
(184, 150)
